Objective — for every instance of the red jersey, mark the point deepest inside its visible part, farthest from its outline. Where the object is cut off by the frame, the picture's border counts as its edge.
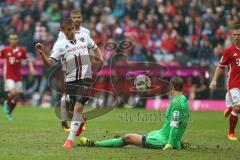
(231, 58)
(12, 65)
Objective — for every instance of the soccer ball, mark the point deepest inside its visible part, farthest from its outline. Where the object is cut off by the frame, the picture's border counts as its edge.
(142, 82)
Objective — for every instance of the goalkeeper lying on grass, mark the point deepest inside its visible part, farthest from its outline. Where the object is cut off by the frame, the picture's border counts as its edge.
(175, 123)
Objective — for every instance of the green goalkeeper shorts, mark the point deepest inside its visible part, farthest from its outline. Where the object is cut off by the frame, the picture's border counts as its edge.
(153, 140)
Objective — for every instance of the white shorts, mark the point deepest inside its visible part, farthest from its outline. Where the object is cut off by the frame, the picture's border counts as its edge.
(233, 97)
(11, 84)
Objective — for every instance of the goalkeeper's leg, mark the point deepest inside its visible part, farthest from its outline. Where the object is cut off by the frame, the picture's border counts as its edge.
(127, 139)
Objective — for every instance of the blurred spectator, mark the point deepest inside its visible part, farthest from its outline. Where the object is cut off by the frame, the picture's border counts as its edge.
(54, 13)
(30, 86)
(99, 98)
(26, 35)
(16, 22)
(66, 8)
(138, 55)
(217, 53)
(188, 88)
(5, 16)
(207, 30)
(150, 57)
(169, 38)
(119, 9)
(200, 89)
(205, 51)
(40, 32)
(54, 16)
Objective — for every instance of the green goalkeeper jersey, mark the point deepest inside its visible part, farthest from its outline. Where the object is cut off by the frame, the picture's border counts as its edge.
(175, 121)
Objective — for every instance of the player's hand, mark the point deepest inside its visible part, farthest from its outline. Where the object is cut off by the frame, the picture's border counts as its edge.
(213, 85)
(39, 48)
(32, 71)
(168, 147)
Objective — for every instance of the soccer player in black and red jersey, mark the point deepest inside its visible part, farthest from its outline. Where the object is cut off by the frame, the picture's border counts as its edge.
(13, 55)
(231, 59)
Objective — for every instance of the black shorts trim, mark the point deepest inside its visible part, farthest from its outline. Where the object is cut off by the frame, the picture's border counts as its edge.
(72, 85)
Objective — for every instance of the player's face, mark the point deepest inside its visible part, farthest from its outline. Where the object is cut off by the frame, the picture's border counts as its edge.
(69, 31)
(236, 37)
(77, 19)
(13, 39)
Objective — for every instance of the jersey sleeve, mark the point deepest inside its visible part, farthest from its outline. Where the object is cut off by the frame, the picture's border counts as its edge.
(3, 54)
(175, 121)
(88, 32)
(224, 59)
(57, 51)
(24, 54)
(90, 43)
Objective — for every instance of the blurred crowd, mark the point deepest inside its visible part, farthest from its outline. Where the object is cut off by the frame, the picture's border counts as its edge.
(193, 31)
(189, 32)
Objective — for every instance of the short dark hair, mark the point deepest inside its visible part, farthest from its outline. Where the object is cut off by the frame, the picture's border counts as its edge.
(65, 21)
(236, 26)
(75, 11)
(177, 83)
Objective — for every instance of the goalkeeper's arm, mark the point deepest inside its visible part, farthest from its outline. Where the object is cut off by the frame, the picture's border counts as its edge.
(174, 129)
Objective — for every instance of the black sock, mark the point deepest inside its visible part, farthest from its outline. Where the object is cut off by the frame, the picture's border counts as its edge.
(64, 124)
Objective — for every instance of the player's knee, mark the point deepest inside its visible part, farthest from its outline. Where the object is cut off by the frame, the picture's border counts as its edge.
(127, 138)
(236, 109)
(12, 93)
(78, 108)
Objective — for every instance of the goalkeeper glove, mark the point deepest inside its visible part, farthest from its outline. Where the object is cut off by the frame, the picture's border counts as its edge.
(167, 147)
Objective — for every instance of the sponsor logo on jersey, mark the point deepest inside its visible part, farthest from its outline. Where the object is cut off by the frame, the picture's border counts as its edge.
(235, 97)
(16, 50)
(12, 60)
(176, 115)
(82, 39)
(76, 48)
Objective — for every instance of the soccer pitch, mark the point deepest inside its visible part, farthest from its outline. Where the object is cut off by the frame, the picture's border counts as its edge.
(36, 134)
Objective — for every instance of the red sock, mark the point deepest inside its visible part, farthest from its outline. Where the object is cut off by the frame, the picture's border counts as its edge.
(232, 123)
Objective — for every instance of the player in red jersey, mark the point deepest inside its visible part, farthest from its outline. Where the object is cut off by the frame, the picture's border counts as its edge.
(231, 59)
(13, 55)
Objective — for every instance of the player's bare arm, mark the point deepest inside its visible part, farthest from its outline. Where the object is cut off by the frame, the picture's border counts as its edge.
(218, 72)
(97, 58)
(31, 68)
(99, 55)
(40, 49)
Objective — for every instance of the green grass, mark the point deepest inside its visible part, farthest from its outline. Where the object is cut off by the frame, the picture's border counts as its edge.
(36, 134)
